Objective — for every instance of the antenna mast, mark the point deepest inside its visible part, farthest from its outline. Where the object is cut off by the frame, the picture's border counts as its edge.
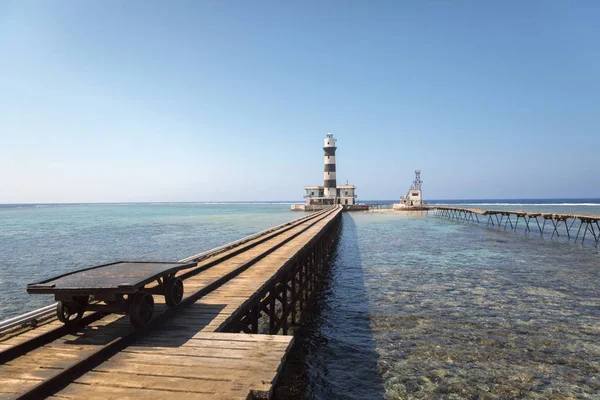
(417, 182)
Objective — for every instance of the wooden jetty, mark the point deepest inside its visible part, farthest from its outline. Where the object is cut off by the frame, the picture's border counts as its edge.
(219, 342)
(586, 226)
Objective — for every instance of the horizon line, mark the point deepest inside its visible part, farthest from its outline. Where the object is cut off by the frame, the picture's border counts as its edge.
(284, 201)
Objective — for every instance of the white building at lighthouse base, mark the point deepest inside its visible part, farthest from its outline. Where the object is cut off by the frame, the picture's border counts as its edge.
(315, 198)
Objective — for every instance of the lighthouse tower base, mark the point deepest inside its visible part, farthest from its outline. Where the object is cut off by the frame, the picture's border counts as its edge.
(314, 207)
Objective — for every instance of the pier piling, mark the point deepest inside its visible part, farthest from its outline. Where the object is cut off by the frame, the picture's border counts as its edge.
(503, 219)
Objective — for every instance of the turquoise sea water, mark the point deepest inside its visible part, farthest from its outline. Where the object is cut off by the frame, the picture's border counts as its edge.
(38, 241)
(413, 307)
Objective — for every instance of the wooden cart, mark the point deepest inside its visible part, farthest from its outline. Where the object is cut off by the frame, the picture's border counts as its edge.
(119, 287)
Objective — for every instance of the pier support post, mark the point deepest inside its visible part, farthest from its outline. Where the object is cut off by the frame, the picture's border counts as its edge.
(272, 311)
(555, 228)
(284, 307)
(255, 316)
(291, 289)
(294, 297)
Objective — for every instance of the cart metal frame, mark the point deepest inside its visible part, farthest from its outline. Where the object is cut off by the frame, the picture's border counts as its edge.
(94, 289)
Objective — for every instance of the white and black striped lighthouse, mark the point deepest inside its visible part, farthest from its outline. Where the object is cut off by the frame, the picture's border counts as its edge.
(321, 196)
(329, 181)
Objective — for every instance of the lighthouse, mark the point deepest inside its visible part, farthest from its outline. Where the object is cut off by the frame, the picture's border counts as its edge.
(329, 181)
(319, 197)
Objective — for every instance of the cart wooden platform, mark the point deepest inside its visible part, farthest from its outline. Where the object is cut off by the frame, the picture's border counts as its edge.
(119, 287)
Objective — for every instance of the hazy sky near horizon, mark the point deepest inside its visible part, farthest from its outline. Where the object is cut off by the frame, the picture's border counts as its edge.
(208, 100)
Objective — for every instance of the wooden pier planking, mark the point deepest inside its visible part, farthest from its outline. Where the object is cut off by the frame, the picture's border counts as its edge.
(59, 354)
(211, 365)
(186, 355)
(264, 358)
(237, 292)
(23, 333)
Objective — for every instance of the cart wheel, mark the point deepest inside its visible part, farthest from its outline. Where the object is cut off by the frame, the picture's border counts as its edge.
(141, 310)
(173, 291)
(69, 312)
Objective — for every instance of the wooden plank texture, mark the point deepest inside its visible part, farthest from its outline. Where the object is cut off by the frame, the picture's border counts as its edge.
(186, 356)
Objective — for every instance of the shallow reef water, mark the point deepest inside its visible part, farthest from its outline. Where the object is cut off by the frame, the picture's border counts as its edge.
(417, 307)
(412, 307)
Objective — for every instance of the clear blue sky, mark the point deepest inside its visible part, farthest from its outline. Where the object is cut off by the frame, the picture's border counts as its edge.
(210, 100)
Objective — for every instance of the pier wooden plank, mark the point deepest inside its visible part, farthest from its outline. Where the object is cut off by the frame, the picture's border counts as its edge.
(204, 361)
(101, 392)
(186, 356)
(22, 334)
(213, 369)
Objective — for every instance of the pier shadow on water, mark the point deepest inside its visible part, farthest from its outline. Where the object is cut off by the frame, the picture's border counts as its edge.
(334, 356)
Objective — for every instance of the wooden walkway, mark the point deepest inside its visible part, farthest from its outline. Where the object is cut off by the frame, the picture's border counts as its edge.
(572, 226)
(190, 351)
(191, 366)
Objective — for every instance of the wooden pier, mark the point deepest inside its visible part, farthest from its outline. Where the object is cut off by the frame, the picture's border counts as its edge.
(220, 342)
(572, 226)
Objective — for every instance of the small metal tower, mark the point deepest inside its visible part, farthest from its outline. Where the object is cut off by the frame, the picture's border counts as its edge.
(417, 182)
